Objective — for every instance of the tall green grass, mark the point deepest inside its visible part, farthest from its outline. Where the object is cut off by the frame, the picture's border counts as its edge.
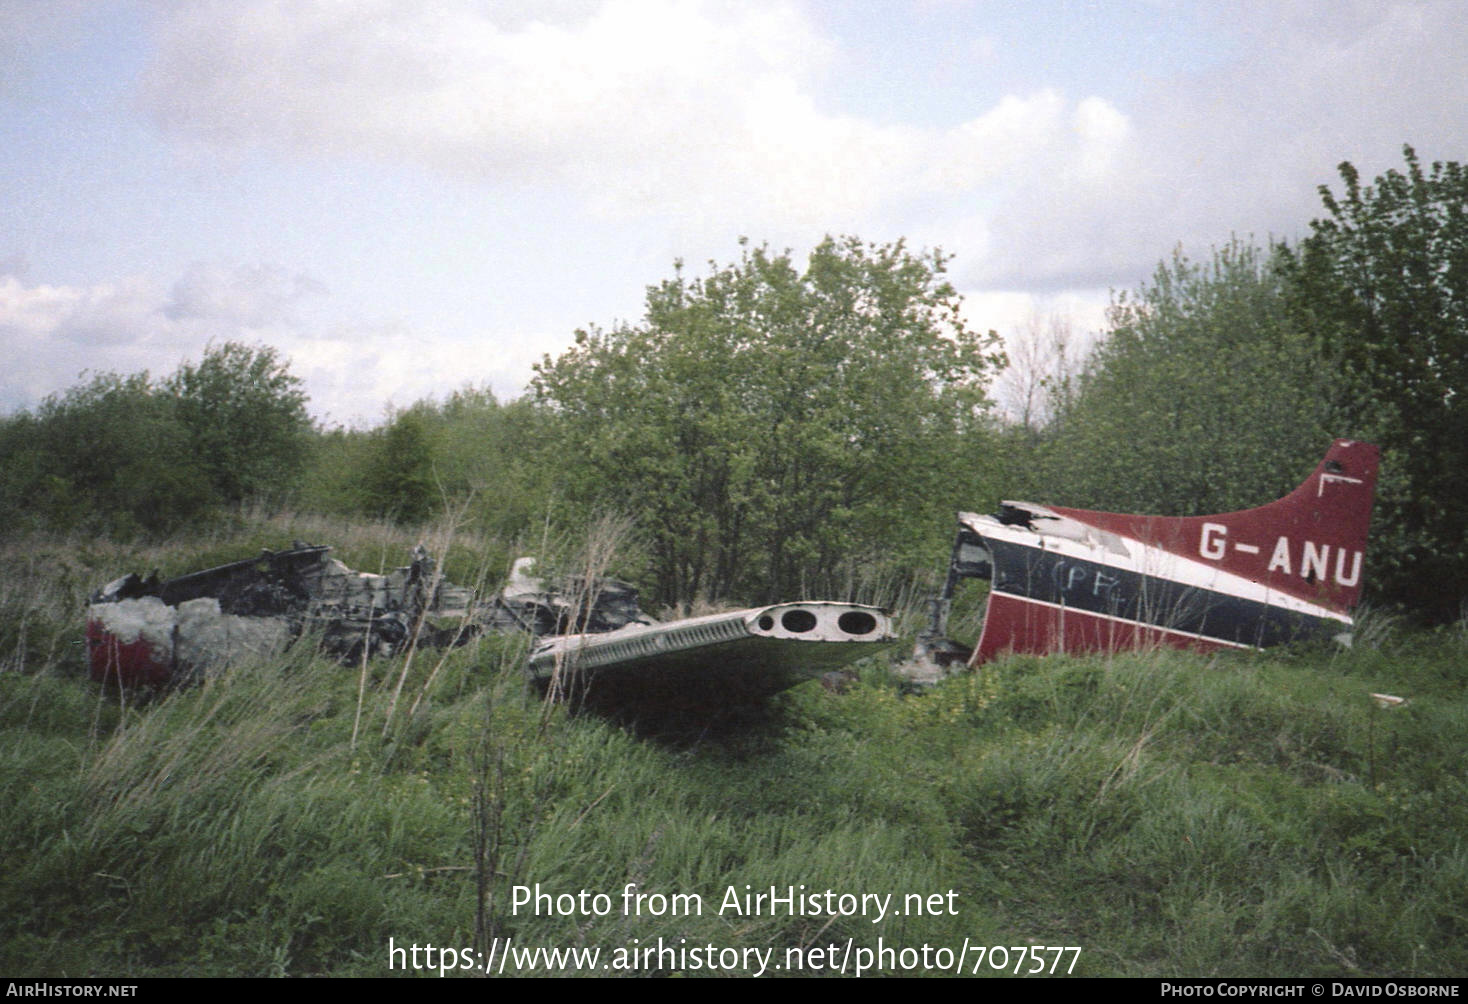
(1169, 813)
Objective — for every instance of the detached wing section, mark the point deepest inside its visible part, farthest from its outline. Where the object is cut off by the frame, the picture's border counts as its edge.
(710, 660)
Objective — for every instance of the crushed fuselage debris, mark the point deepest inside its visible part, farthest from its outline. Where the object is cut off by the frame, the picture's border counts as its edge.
(155, 632)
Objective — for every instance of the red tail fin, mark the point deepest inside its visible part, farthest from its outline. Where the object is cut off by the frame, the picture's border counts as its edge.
(1311, 544)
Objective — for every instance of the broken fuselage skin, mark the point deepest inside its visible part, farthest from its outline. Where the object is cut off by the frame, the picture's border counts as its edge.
(1073, 580)
(147, 632)
(723, 657)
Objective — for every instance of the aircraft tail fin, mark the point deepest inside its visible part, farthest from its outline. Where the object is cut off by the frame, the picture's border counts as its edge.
(1311, 544)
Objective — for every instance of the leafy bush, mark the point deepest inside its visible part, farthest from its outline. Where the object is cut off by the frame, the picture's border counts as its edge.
(1204, 398)
(125, 455)
(1382, 285)
(778, 429)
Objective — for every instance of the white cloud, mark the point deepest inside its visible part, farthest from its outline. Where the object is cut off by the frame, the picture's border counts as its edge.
(51, 334)
(482, 92)
(352, 373)
(1011, 311)
(57, 332)
(696, 113)
(1237, 148)
(248, 296)
(356, 375)
(987, 148)
(1045, 337)
(688, 123)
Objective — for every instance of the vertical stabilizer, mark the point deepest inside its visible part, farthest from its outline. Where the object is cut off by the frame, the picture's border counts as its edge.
(1311, 544)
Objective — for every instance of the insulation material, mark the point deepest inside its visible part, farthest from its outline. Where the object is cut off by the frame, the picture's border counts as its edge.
(208, 640)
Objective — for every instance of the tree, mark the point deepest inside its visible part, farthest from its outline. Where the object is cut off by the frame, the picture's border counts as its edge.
(1042, 354)
(772, 427)
(246, 419)
(108, 456)
(1202, 398)
(1382, 285)
(500, 454)
(121, 454)
(400, 478)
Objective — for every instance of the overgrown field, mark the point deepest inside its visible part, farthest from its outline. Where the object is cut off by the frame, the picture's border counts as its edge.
(1170, 814)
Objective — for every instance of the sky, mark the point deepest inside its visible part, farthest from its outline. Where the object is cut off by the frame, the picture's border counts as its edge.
(406, 197)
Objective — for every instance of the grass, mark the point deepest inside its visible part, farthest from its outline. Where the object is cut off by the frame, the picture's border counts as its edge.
(1171, 814)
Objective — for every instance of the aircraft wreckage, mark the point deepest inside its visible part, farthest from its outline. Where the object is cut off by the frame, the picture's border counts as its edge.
(1073, 580)
(156, 632)
(737, 655)
(1061, 580)
(598, 645)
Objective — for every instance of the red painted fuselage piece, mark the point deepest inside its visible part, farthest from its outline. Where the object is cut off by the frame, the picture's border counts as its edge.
(137, 661)
(1074, 580)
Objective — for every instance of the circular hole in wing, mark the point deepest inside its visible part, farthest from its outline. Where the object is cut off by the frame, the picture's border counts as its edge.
(798, 621)
(766, 622)
(857, 622)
